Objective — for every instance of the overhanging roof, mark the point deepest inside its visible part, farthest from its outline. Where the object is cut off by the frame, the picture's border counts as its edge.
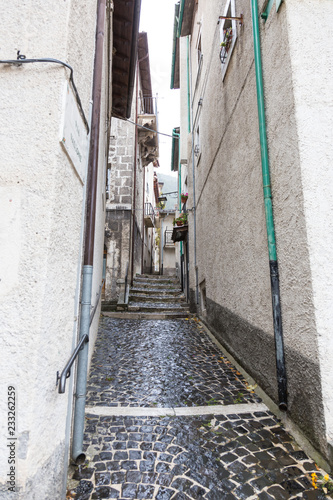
(186, 16)
(144, 69)
(126, 17)
(175, 84)
(183, 20)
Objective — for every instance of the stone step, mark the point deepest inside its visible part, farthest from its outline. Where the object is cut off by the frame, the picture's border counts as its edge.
(155, 298)
(165, 279)
(161, 291)
(147, 315)
(156, 286)
(156, 277)
(109, 307)
(157, 307)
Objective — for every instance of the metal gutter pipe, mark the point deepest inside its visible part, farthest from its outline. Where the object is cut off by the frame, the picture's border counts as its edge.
(143, 216)
(273, 264)
(80, 396)
(188, 85)
(193, 178)
(134, 173)
(179, 186)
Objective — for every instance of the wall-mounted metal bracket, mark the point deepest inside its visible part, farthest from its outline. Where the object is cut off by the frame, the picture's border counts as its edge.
(240, 19)
(269, 5)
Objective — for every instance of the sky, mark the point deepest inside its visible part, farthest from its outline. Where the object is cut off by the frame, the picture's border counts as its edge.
(157, 18)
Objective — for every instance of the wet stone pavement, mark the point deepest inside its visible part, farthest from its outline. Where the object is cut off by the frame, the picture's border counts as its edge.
(169, 417)
(165, 363)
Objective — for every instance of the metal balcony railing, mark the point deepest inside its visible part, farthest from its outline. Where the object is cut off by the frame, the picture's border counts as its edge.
(168, 242)
(148, 105)
(149, 215)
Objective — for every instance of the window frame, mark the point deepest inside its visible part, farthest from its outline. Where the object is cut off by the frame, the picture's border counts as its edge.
(231, 4)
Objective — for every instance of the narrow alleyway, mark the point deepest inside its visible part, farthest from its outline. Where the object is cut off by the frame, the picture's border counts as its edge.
(169, 417)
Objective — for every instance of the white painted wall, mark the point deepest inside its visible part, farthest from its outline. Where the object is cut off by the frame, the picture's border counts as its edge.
(313, 90)
(42, 201)
(232, 254)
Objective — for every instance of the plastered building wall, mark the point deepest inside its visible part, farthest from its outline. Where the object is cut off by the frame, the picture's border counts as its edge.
(232, 255)
(125, 198)
(314, 121)
(149, 240)
(168, 252)
(42, 205)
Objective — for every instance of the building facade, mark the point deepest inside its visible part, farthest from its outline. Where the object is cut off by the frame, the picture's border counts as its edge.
(249, 223)
(130, 207)
(56, 107)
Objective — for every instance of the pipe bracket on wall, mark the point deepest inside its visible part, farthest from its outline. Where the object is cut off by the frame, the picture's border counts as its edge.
(240, 19)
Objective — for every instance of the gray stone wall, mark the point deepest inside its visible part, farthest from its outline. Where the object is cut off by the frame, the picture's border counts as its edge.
(121, 155)
(117, 241)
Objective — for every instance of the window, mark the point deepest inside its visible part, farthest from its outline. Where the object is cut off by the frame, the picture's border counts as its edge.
(228, 35)
(197, 148)
(199, 51)
(199, 58)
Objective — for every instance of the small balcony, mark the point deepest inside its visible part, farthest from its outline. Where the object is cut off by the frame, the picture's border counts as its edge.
(147, 137)
(168, 241)
(179, 233)
(149, 215)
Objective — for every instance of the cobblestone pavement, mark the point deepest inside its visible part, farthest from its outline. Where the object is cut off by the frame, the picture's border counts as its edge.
(161, 363)
(142, 442)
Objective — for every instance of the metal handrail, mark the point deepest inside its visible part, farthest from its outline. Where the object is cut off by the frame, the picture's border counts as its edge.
(97, 302)
(126, 282)
(66, 372)
(126, 276)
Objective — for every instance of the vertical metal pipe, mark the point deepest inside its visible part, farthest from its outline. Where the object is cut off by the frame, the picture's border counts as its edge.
(188, 85)
(143, 218)
(94, 137)
(194, 198)
(81, 383)
(134, 173)
(273, 264)
(162, 245)
(80, 396)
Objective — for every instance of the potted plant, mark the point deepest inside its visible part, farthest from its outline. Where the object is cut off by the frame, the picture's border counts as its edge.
(182, 219)
(226, 44)
(184, 197)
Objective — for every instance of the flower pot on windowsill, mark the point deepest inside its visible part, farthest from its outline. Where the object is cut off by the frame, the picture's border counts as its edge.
(179, 223)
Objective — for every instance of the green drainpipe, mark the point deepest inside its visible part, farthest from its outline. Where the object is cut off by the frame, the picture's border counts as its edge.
(273, 264)
(188, 86)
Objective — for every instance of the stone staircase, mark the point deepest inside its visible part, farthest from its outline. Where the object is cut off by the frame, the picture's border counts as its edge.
(156, 297)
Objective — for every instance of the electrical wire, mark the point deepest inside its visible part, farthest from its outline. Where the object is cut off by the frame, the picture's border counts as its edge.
(21, 59)
(146, 128)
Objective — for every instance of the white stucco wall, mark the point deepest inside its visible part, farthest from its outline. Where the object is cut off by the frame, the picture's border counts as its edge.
(232, 253)
(167, 253)
(313, 90)
(42, 200)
